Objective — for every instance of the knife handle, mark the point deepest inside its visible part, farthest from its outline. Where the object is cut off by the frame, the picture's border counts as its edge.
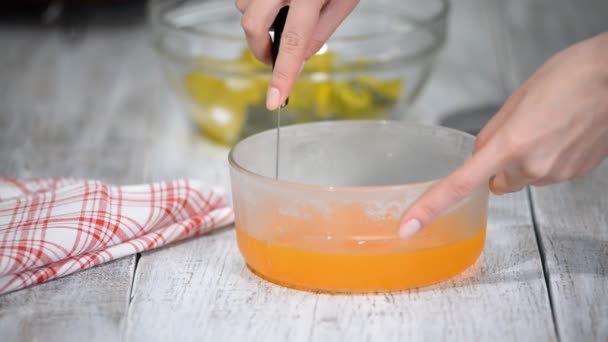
(278, 25)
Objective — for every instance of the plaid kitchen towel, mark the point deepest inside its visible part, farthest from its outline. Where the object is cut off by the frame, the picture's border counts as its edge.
(53, 227)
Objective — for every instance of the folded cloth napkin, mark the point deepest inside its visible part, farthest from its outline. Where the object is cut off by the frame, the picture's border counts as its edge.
(53, 227)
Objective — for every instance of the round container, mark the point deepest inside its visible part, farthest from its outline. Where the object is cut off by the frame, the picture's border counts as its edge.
(373, 66)
(330, 223)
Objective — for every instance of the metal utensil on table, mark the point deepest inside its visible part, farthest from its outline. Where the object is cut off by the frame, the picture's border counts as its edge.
(278, 26)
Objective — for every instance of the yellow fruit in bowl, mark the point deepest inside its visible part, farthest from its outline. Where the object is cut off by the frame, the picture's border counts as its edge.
(229, 107)
(220, 124)
(221, 105)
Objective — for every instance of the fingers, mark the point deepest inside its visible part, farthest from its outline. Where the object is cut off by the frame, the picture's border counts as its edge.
(256, 21)
(498, 119)
(309, 24)
(331, 17)
(489, 160)
(523, 171)
(452, 189)
(504, 183)
(490, 128)
(511, 179)
(241, 5)
(572, 164)
(299, 27)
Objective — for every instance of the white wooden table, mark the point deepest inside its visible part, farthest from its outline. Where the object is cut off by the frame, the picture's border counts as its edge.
(97, 107)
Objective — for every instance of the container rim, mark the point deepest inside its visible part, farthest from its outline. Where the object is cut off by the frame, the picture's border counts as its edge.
(323, 188)
(157, 15)
(157, 18)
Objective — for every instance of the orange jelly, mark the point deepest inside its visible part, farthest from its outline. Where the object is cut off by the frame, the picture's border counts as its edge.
(350, 252)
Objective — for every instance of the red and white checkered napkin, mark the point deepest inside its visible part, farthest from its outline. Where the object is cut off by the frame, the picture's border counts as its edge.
(53, 227)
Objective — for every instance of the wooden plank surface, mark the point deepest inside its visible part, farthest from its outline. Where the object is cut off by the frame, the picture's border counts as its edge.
(88, 305)
(57, 121)
(572, 218)
(534, 30)
(466, 77)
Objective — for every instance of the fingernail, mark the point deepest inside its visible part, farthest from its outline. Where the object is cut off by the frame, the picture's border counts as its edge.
(410, 228)
(273, 97)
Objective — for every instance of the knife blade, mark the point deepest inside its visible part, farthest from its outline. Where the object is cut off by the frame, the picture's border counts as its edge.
(278, 26)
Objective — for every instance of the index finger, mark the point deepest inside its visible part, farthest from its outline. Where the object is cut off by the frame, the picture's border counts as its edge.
(447, 192)
(301, 21)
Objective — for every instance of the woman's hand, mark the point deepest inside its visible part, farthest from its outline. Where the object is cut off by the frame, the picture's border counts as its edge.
(309, 25)
(553, 128)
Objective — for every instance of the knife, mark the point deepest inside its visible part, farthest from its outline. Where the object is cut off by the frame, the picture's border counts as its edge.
(278, 26)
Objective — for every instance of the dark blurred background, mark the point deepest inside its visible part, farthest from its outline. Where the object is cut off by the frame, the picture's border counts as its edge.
(72, 12)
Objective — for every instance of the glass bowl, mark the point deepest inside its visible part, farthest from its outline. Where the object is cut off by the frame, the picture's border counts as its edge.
(372, 68)
(330, 222)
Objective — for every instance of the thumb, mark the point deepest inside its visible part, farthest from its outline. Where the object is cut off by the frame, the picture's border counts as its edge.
(447, 192)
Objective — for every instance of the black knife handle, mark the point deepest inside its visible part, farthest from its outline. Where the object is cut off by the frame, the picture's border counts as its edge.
(278, 25)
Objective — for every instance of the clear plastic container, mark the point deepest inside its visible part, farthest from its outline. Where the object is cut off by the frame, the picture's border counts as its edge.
(330, 223)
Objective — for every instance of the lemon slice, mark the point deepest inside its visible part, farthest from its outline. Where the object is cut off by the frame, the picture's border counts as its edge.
(326, 90)
(221, 124)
